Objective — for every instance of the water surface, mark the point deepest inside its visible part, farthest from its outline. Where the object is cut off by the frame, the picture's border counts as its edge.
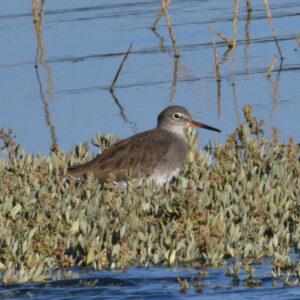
(67, 98)
(161, 283)
(83, 43)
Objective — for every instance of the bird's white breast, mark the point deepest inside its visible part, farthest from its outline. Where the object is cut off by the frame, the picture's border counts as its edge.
(162, 177)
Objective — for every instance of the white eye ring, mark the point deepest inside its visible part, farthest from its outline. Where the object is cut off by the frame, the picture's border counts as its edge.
(176, 116)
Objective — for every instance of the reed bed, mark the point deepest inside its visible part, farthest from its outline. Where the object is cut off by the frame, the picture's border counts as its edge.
(246, 203)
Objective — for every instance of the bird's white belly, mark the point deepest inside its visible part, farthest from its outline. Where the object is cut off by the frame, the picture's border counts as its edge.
(162, 177)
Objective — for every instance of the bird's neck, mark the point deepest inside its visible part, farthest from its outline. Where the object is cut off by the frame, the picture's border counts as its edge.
(179, 132)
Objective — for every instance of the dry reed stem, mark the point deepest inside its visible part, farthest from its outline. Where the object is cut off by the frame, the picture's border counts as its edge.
(35, 9)
(271, 67)
(272, 27)
(38, 24)
(216, 61)
(249, 7)
(170, 28)
(297, 39)
(218, 77)
(120, 68)
(234, 39)
(160, 15)
(230, 45)
(41, 47)
(247, 33)
(55, 145)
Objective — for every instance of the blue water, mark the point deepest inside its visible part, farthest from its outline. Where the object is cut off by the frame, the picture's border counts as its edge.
(84, 42)
(158, 283)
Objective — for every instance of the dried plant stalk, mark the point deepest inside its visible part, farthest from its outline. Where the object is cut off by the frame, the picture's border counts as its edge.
(271, 67)
(160, 15)
(230, 45)
(272, 27)
(234, 39)
(218, 77)
(170, 28)
(249, 7)
(35, 9)
(120, 68)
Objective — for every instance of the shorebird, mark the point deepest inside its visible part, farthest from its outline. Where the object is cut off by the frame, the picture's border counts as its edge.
(158, 154)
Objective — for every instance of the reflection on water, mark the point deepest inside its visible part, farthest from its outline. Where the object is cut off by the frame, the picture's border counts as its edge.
(122, 113)
(236, 107)
(275, 87)
(175, 79)
(84, 42)
(175, 62)
(247, 35)
(139, 283)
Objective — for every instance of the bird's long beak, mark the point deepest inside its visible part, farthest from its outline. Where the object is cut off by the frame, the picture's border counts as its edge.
(201, 125)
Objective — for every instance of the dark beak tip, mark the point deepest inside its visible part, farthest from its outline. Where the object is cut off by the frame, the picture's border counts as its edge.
(201, 125)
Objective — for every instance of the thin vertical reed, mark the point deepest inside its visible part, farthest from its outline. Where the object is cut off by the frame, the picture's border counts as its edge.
(272, 27)
(159, 16)
(234, 40)
(249, 7)
(170, 28)
(120, 68)
(38, 13)
(35, 9)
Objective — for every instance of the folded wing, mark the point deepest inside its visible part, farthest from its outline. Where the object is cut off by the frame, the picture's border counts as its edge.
(138, 155)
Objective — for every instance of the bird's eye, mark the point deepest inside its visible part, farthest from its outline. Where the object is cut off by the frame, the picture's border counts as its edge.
(176, 116)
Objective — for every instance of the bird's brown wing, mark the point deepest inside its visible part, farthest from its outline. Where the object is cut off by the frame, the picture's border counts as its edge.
(138, 154)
